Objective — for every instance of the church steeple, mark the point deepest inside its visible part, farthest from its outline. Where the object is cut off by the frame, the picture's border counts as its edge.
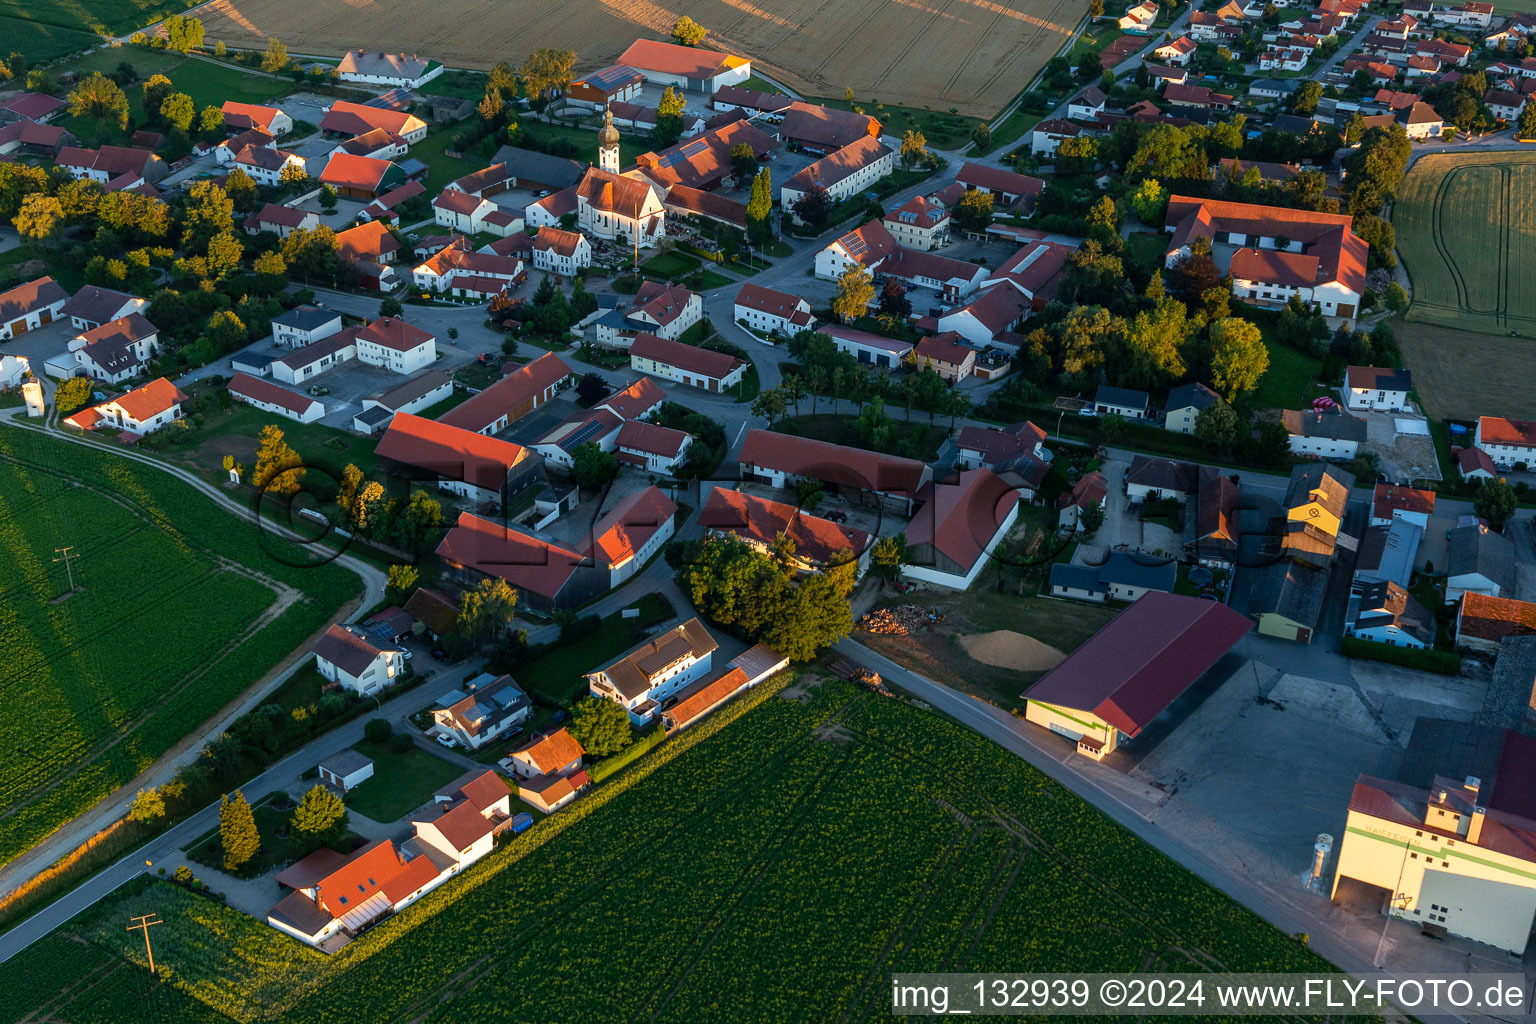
(608, 144)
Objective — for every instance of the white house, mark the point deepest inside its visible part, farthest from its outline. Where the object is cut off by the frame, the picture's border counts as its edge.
(663, 310)
(27, 307)
(302, 364)
(93, 306)
(240, 117)
(1376, 387)
(1087, 105)
(461, 211)
(648, 675)
(871, 349)
(957, 526)
(561, 252)
(1392, 501)
(1283, 58)
(396, 345)
(1177, 51)
(771, 312)
(13, 370)
(273, 398)
(843, 173)
(304, 325)
(1509, 443)
(141, 411)
(1137, 21)
(687, 68)
(1124, 402)
(654, 448)
(1384, 613)
(346, 658)
(117, 350)
(686, 364)
(266, 166)
(481, 710)
(1334, 434)
(1184, 404)
(548, 770)
(919, 223)
(1047, 136)
(392, 69)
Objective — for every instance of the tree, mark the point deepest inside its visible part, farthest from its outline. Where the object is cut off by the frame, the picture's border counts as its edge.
(400, 581)
(278, 467)
(489, 107)
(669, 119)
(893, 299)
(1495, 501)
(39, 217)
(855, 291)
(1103, 214)
(974, 210)
(671, 105)
(270, 264)
(328, 198)
(73, 395)
(320, 816)
(100, 97)
(219, 49)
(1217, 426)
(1095, 9)
(210, 122)
(816, 616)
(390, 306)
(546, 71)
(147, 806)
(813, 207)
(487, 610)
(1238, 356)
(1150, 201)
(183, 33)
(887, 556)
(276, 57)
(1304, 101)
(293, 176)
(242, 189)
(1396, 296)
(155, 90)
(687, 31)
(981, 135)
(743, 160)
(226, 331)
(1091, 518)
(377, 730)
(1154, 345)
(237, 831)
(224, 253)
(1526, 127)
(591, 387)
(769, 404)
(914, 147)
(601, 726)
(502, 79)
(593, 467)
(208, 212)
(760, 209)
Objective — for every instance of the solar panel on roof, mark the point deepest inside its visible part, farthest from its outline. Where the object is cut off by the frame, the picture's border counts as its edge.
(582, 434)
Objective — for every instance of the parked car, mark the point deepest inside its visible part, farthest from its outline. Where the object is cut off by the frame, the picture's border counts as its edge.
(446, 741)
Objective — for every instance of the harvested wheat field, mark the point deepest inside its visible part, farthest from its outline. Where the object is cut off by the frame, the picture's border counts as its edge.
(973, 55)
(1003, 648)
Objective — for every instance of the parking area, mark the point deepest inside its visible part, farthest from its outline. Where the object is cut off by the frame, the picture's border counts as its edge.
(306, 106)
(42, 344)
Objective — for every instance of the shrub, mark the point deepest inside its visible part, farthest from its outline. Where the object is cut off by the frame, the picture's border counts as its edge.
(378, 730)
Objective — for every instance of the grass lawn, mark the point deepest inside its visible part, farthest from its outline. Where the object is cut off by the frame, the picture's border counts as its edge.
(469, 85)
(943, 130)
(302, 689)
(401, 782)
(584, 140)
(557, 673)
(457, 398)
(1013, 128)
(277, 845)
(750, 385)
(1146, 250)
(671, 265)
(444, 168)
(1286, 384)
(762, 85)
(234, 433)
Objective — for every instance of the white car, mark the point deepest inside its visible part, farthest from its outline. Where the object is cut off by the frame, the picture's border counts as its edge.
(446, 740)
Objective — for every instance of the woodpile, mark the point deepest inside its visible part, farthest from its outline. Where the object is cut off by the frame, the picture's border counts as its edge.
(902, 620)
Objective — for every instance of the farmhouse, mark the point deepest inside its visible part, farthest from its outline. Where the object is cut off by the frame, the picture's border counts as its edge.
(686, 364)
(1333, 434)
(269, 397)
(117, 350)
(392, 343)
(115, 167)
(549, 576)
(873, 349)
(392, 69)
(342, 656)
(1009, 190)
(645, 677)
(1184, 404)
(1323, 261)
(845, 172)
(1483, 621)
(482, 709)
(758, 521)
(863, 476)
(823, 130)
(44, 140)
(561, 252)
(461, 462)
(1480, 562)
(240, 117)
(769, 312)
(36, 107)
(420, 392)
(141, 411)
(93, 306)
(957, 526)
(361, 177)
(1019, 449)
(705, 162)
(733, 97)
(458, 271)
(1508, 443)
(1120, 577)
(462, 211)
(512, 397)
(598, 426)
(1117, 683)
(686, 68)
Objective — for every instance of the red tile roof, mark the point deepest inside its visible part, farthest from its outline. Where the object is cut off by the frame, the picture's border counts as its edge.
(613, 193)
(357, 119)
(995, 179)
(368, 241)
(265, 391)
(360, 877)
(1494, 618)
(833, 463)
(1270, 266)
(553, 752)
(346, 650)
(563, 243)
(844, 163)
(463, 826)
(486, 788)
(461, 203)
(702, 697)
(636, 400)
(1390, 498)
(149, 400)
(508, 394)
(781, 304)
(689, 358)
(31, 296)
(959, 517)
(826, 127)
(527, 562)
(948, 348)
(364, 173)
(393, 332)
(706, 204)
(1143, 659)
(248, 115)
(760, 520)
(1509, 834)
(451, 452)
(1498, 430)
(648, 437)
(1470, 460)
(663, 303)
(672, 59)
(629, 526)
(282, 216)
(1328, 238)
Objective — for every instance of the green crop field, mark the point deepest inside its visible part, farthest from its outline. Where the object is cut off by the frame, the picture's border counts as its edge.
(1466, 228)
(775, 863)
(45, 29)
(177, 611)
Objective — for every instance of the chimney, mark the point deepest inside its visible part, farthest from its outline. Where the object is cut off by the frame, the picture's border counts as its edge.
(1473, 783)
(1475, 825)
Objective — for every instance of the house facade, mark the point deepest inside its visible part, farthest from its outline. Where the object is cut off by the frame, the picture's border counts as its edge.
(344, 657)
(656, 670)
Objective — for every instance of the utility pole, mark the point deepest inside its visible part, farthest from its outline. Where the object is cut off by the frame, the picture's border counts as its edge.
(64, 555)
(143, 923)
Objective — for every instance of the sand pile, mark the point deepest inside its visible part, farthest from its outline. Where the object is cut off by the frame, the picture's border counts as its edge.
(1007, 649)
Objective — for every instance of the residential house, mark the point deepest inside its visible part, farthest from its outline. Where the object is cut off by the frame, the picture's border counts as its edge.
(240, 117)
(561, 252)
(511, 398)
(483, 709)
(1421, 121)
(471, 810)
(1120, 577)
(281, 220)
(770, 312)
(1017, 453)
(651, 447)
(252, 138)
(1152, 479)
(396, 70)
(1284, 58)
(265, 166)
(957, 526)
(1090, 489)
(392, 343)
(919, 223)
(117, 350)
(843, 173)
(1509, 444)
(1137, 20)
(1197, 96)
(375, 143)
(273, 398)
(1391, 502)
(862, 476)
(688, 69)
(1505, 104)
(141, 411)
(599, 426)
(1473, 463)
(1211, 529)
(759, 522)
(385, 209)
(334, 898)
(1483, 621)
(549, 576)
(685, 364)
(343, 657)
(630, 533)
(1177, 51)
(462, 211)
(1480, 562)
(369, 242)
(548, 770)
(483, 469)
(1385, 613)
(304, 325)
(457, 271)
(637, 401)
(93, 306)
(304, 363)
(1185, 403)
(649, 674)
(1126, 403)
(1087, 105)
(658, 309)
(823, 130)
(1328, 434)
(947, 354)
(29, 306)
(1376, 387)
(1010, 191)
(1049, 134)
(116, 167)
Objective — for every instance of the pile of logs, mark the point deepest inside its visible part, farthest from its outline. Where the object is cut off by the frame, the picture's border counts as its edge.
(901, 620)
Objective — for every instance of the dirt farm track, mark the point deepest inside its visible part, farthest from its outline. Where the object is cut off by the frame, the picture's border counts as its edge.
(973, 55)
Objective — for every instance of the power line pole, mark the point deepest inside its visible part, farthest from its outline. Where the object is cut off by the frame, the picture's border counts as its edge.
(143, 923)
(65, 555)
